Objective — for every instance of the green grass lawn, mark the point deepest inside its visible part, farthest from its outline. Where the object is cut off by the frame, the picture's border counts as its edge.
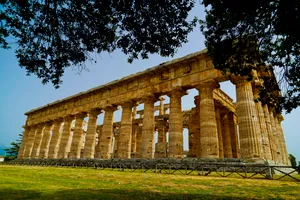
(24, 182)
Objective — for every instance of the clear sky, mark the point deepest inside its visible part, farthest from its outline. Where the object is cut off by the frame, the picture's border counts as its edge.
(21, 93)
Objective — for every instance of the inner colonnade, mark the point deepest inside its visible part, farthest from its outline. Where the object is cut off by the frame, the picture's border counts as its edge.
(217, 126)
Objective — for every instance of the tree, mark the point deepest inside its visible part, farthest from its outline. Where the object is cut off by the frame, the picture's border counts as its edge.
(54, 34)
(293, 160)
(14, 149)
(258, 34)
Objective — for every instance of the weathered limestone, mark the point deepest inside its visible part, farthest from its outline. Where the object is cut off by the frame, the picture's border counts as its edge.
(175, 124)
(148, 128)
(55, 139)
(208, 123)
(220, 133)
(62, 152)
(45, 141)
(227, 137)
(37, 141)
(77, 136)
(248, 121)
(30, 141)
(107, 132)
(24, 141)
(124, 140)
(90, 139)
(218, 128)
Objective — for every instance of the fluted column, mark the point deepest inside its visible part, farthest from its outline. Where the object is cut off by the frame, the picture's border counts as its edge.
(55, 139)
(65, 136)
(46, 140)
(270, 132)
(90, 138)
(248, 121)
(266, 150)
(285, 155)
(139, 131)
(133, 139)
(175, 124)
(77, 136)
(208, 123)
(107, 132)
(30, 141)
(234, 135)
(24, 141)
(220, 132)
(161, 145)
(37, 141)
(124, 141)
(275, 137)
(148, 128)
(227, 137)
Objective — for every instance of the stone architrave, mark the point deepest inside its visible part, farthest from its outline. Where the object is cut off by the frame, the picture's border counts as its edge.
(30, 141)
(148, 130)
(249, 128)
(124, 140)
(46, 140)
(76, 144)
(266, 150)
(24, 141)
(175, 124)
(55, 139)
(65, 136)
(37, 141)
(220, 133)
(90, 138)
(227, 137)
(107, 132)
(208, 123)
(270, 132)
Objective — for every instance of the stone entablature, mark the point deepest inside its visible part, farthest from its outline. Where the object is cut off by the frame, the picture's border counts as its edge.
(217, 126)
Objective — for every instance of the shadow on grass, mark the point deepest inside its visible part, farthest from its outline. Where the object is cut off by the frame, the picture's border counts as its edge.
(103, 194)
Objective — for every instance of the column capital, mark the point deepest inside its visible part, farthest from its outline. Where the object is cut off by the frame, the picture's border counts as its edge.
(68, 117)
(58, 120)
(149, 98)
(213, 84)
(94, 111)
(130, 103)
(177, 92)
(81, 115)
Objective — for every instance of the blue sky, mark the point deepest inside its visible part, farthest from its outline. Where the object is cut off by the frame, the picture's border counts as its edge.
(21, 93)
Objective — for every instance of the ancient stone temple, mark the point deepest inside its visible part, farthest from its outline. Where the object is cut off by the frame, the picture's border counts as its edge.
(217, 126)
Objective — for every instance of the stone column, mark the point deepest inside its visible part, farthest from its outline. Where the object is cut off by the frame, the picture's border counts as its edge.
(65, 136)
(161, 145)
(270, 132)
(139, 140)
(220, 132)
(208, 123)
(266, 150)
(161, 106)
(124, 140)
(248, 121)
(30, 141)
(196, 124)
(55, 139)
(234, 135)
(133, 139)
(46, 140)
(227, 137)
(77, 136)
(148, 130)
(37, 141)
(107, 132)
(175, 124)
(275, 137)
(24, 140)
(285, 155)
(90, 138)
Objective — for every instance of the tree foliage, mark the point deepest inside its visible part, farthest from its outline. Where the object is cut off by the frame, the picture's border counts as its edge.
(54, 34)
(246, 35)
(293, 160)
(12, 152)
